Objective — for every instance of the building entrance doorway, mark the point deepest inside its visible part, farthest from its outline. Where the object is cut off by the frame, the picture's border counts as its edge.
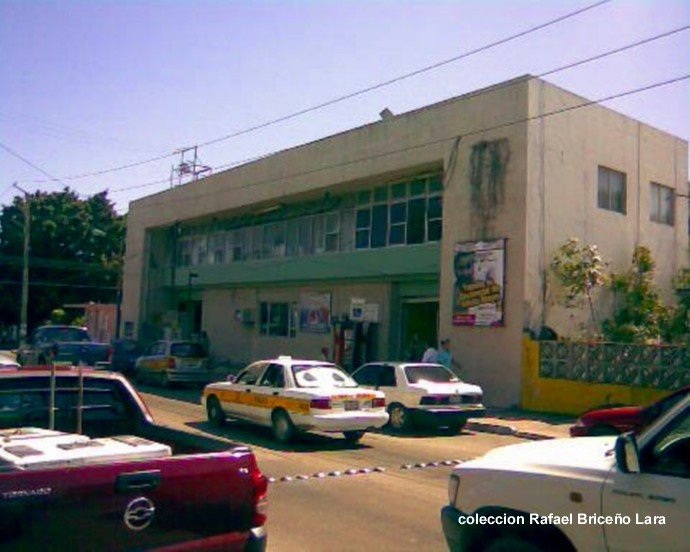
(419, 327)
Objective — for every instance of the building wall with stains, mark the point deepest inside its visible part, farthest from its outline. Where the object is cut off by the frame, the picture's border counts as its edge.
(565, 152)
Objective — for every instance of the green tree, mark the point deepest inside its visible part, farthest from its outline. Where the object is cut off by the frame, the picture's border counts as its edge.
(75, 253)
(640, 316)
(579, 268)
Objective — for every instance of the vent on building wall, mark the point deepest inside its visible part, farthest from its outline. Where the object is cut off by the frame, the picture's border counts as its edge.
(248, 316)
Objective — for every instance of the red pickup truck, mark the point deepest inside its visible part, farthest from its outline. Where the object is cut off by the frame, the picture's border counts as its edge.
(193, 493)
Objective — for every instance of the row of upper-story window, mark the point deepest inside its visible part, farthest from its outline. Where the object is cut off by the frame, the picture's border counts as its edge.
(403, 213)
(612, 195)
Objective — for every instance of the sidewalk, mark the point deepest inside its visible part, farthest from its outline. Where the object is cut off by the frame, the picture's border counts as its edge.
(523, 424)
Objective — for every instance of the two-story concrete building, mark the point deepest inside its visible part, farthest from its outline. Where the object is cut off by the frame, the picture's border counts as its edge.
(437, 222)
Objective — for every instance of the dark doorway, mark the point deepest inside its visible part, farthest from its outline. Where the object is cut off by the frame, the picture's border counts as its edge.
(419, 327)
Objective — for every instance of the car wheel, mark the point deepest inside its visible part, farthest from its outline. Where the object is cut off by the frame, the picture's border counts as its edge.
(512, 543)
(283, 428)
(165, 380)
(353, 436)
(215, 412)
(399, 417)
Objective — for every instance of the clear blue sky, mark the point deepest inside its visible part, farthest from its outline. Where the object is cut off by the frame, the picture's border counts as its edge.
(89, 85)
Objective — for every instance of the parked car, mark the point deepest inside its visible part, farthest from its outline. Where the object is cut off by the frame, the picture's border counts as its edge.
(612, 421)
(168, 362)
(291, 395)
(423, 393)
(629, 492)
(8, 361)
(64, 344)
(125, 354)
(126, 483)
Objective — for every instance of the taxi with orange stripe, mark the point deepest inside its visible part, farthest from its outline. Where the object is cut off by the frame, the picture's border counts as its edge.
(291, 395)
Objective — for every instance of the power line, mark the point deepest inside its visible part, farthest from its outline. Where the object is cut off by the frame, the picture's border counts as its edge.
(406, 75)
(588, 103)
(351, 95)
(32, 165)
(492, 89)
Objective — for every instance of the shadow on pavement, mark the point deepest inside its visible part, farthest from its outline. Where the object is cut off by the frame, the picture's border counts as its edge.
(424, 433)
(259, 436)
(190, 394)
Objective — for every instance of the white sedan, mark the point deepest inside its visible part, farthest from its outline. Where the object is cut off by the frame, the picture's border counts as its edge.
(291, 395)
(429, 394)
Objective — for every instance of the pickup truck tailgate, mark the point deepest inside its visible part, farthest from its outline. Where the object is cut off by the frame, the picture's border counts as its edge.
(129, 505)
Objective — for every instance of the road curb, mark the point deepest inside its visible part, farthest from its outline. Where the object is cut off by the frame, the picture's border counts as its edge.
(499, 429)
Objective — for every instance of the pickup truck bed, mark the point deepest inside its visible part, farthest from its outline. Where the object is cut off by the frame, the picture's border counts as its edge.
(209, 495)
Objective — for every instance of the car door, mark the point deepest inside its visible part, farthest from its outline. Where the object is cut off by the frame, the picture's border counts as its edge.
(145, 363)
(656, 500)
(387, 383)
(242, 401)
(269, 392)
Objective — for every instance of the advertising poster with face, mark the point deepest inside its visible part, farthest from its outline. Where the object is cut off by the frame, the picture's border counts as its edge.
(315, 312)
(479, 283)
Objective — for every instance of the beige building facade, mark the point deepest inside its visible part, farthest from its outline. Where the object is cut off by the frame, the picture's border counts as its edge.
(357, 243)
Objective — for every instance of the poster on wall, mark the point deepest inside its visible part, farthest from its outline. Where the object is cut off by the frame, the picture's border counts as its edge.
(479, 283)
(315, 312)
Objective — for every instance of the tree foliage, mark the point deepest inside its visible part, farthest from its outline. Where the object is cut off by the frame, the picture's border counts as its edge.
(580, 269)
(640, 315)
(75, 253)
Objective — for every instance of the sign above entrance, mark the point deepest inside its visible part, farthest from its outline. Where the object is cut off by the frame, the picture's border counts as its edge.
(479, 283)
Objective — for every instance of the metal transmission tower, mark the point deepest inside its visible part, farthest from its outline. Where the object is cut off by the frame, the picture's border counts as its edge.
(189, 169)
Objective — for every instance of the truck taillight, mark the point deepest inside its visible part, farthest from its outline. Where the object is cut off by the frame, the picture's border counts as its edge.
(260, 496)
(171, 363)
(378, 402)
(320, 404)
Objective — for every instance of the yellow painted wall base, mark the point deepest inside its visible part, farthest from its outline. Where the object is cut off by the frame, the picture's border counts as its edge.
(572, 397)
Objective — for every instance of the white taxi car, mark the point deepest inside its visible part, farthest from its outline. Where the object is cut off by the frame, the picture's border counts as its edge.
(291, 395)
(424, 393)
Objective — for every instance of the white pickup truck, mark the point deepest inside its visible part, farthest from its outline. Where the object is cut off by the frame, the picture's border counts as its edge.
(593, 493)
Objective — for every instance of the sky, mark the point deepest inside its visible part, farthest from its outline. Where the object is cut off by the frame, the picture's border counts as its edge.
(89, 86)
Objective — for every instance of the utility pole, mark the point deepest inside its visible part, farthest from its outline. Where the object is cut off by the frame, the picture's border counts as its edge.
(25, 272)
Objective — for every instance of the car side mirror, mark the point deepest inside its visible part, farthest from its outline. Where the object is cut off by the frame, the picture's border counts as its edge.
(231, 378)
(627, 456)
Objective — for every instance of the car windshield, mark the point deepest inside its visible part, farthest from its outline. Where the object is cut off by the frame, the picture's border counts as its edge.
(429, 372)
(186, 350)
(321, 376)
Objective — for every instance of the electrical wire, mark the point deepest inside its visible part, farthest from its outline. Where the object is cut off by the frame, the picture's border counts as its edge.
(587, 103)
(571, 65)
(32, 165)
(350, 95)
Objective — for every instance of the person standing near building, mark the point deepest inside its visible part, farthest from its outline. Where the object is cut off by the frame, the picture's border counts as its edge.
(445, 357)
(430, 355)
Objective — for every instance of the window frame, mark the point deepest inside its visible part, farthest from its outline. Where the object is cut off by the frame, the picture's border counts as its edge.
(608, 204)
(657, 215)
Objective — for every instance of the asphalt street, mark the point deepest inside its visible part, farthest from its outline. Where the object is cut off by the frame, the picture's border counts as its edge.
(384, 493)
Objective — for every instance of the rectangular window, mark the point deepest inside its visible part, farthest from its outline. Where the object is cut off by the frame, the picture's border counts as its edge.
(347, 230)
(240, 248)
(216, 246)
(319, 234)
(434, 216)
(292, 238)
(257, 241)
(229, 247)
(199, 251)
(611, 192)
(379, 225)
(275, 319)
(398, 223)
(416, 220)
(274, 240)
(305, 237)
(332, 231)
(661, 204)
(363, 226)
(184, 257)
